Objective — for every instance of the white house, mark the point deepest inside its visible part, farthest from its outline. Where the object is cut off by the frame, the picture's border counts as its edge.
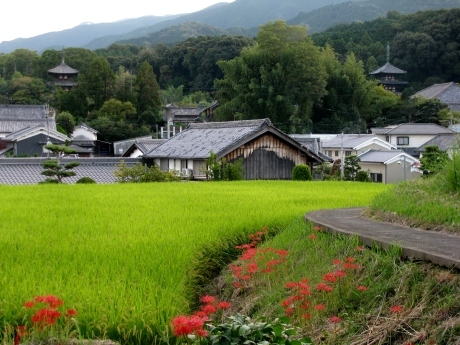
(410, 136)
(353, 144)
(390, 166)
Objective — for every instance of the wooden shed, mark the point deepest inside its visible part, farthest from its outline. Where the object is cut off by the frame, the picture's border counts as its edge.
(267, 153)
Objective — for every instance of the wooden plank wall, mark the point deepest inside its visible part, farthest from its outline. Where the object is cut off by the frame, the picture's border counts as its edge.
(267, 157)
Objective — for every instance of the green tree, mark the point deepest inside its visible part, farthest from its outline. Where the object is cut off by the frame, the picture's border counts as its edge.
(66, 121)
(53, 168)
(351, 167)
(433, 161)
(26, 90)
(118, 110)
(282, 77)
(148, 90)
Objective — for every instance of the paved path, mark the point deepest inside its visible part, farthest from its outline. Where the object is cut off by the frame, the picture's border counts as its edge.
(439, 248)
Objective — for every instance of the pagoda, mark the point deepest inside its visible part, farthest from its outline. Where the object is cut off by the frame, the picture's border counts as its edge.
(387, 76)
(64, 75)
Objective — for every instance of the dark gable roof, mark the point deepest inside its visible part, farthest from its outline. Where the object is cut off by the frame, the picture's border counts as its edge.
(40, 129)
(199, 139)
(447, 93)
(388, 68)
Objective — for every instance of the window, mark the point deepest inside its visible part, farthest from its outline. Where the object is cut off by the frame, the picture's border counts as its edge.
(402, 140)
(336, 153)
(376, 177)
(387, 138)
(347, 153)
(329, 153)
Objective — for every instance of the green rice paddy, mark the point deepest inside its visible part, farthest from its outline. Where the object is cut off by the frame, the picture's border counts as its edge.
(121, 254)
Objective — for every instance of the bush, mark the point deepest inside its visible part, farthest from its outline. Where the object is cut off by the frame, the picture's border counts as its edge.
(301, 172)
(363, 176)
(86, 180)
(142, 173)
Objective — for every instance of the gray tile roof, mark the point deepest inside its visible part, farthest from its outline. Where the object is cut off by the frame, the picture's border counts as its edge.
(63, 68)
(16, 117)
(199, 139)
(145, 146)
(15, 136)
(124, 145)
(374, 156)
(349, 140)
(16, 171)
(448, 93)
(443, 141)
(388, 68)
(418, 129)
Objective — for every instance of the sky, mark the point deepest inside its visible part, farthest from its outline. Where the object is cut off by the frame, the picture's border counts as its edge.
(32, 18)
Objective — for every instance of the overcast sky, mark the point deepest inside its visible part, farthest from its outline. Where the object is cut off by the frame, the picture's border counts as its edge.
(31, 18)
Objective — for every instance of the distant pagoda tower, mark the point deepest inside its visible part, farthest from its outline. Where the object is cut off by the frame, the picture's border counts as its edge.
(387, 76)
(64, 75)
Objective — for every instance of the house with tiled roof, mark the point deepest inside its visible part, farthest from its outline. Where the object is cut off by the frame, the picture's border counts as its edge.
(14, 117)
(31, 141)
(390, 166)
(141, 147)
(185, 115)
(387, 76)
(353, 144)
(447, 93)
(17, 171)
(410, 136)
(265, 151)
(445, 142)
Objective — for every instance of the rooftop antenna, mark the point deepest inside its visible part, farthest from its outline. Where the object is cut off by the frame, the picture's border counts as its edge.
(388, 52)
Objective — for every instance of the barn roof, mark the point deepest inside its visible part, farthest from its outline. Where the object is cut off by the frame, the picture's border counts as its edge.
(199, 139)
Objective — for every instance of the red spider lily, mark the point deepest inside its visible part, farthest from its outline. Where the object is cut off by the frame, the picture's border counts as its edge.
(46, 316)
(359, 248)
(335, 319)
(291, 285)
(208, 299)
(289, 311)
(248, 254)
(350, 259)
(29, 304)
(208, 309)
(320, 307)
(201, 314)
(201, 333)
(224, 305)
(252, 268)
(321, 286)
(305, 305)
(330, 277)
(312, 237)
(272, 263)
(71, 312)
(281, 252)
(51, 300)
(185, 325)
(328, 288)
(340, 274)
(337, 262)
(267, 270)
(317, 228)
(361, 288)
(21, 331)
(397, 309)
(350, 266)
(306, 316)
(237, 285)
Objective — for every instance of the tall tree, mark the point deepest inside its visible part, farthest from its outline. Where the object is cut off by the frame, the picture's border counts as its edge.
(148, 90)
(282, 77)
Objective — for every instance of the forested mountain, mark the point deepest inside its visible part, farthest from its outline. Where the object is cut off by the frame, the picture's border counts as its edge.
(425, 44)
(81, 35)
(349, 12)
(180, 33)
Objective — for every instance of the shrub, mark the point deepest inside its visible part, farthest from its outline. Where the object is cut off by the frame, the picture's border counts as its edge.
(233, 171)
(142, 173)
(86, 180)
(301, 172)
(363, 176)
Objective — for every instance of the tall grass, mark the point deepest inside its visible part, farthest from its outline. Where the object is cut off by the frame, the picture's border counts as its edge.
(122, 254)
